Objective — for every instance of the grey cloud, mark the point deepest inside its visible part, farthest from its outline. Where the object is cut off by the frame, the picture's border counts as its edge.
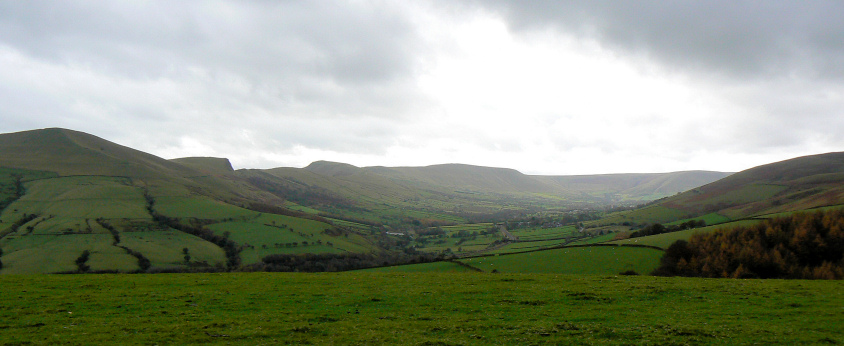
(327, 75)
(328, 52)
(780, 64)
(736, 38)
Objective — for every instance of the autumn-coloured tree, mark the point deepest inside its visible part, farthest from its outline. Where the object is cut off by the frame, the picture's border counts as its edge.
(801, 246)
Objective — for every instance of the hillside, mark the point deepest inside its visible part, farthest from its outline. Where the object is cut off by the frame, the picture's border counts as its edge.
(466, 190)
(636, 187)
(67, 153)
(210, 165)
(791, 185)
(65, 193)
(796, 184)
(470, 178)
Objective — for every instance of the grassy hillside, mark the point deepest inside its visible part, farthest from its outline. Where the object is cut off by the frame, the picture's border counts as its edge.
(468, 179)
(795, 184)
(211, 165)
(635, 187)
(64, 192)
(402, 194)
(67, 152)
(572, 260)
(791, 185)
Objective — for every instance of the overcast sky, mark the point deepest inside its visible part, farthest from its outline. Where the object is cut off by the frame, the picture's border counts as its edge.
(545, 87)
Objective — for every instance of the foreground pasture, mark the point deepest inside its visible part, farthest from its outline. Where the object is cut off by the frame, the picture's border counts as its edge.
(416, 309)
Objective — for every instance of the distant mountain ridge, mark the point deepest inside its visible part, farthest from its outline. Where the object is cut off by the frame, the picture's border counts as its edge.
(68, 152)
(638, 186)
(605, 187)
(80, 154)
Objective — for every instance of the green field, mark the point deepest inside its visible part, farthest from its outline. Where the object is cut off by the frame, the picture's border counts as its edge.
(415, 309)
(748, 193)
(538, 233)
(572, 260)
(432, 267)
(710, 219)
(473, 241)
(646, 215)
(200, 208)
(666, 239)
(68, 211)
(595, 240)
(469, 227)
(52, 253)
(527, 246)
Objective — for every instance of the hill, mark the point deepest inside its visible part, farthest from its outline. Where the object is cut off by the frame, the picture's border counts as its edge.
(779, 188)
(67, 153)
(470, 178)
(637, 187)
(65, 193)
(211, 165)
(465, 191)
(796, 184)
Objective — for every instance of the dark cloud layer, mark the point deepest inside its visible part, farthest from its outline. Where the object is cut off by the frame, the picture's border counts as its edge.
(227, 63)
(745, 39)
(334, 40)
(781, 62)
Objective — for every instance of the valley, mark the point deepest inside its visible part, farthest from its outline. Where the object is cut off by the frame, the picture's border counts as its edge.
(448, 254)
(66, 192)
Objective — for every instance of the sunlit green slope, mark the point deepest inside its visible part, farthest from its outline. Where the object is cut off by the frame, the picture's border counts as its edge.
(791, 185)
(64, 192)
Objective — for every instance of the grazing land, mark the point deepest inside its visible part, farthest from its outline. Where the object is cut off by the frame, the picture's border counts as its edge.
(415, 309)
(572, 260)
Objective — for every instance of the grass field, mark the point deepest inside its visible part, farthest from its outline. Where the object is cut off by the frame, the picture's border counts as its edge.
(710, 219)
(747, 193)
(572, 260)
(538, 233)
(79, 198)
(432, 267)
(666, 239)
(200, 208)
(527, 246)
(54, 253)
(415, 309)
(67, 210)
(164, 248)
(646, 215)
(479, 241)
(595, 240)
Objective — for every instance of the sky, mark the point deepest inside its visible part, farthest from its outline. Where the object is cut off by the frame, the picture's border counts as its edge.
(544, 87)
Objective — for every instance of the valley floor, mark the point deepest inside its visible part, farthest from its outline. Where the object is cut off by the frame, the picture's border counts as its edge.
(416, 309)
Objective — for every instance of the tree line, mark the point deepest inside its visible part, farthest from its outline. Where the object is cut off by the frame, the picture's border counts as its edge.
(197, 228)
(801, 246)
(337, 262)
(659, 228)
